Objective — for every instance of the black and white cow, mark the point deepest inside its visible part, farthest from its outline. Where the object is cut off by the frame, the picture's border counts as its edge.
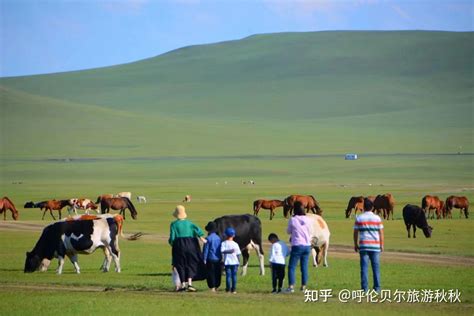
(81, 234)
(248, 235)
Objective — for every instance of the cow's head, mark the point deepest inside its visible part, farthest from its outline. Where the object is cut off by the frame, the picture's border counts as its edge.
(427, 231)
(32, 262)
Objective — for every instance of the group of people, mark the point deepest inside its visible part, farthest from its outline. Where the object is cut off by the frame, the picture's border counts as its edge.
(189, 263)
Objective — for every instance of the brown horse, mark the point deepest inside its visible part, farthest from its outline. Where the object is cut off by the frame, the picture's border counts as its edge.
(118, 203)
(267, 205)
(7, 204)
(430, 203)
(53, 205)
(308, 202)
(384, 204)
(460, 202)
(356, 203)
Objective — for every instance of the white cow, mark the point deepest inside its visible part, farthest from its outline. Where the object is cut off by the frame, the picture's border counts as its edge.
(320, 239)
(141, 199)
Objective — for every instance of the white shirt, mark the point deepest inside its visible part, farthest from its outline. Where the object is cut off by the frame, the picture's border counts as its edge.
(230, 258)
(278, 252)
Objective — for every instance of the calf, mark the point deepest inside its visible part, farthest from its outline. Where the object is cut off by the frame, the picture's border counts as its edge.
(248, 235)
(78, 234)
(319, 239)
(414, 215)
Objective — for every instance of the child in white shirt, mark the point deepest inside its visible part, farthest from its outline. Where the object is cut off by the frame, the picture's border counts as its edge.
(278, 252)
(231, 253)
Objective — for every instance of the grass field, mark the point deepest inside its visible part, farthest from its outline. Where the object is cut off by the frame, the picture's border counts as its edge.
(144, 285)
(279, 109)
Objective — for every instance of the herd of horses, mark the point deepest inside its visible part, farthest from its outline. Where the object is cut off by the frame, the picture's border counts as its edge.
(384, 205)
(105, 201)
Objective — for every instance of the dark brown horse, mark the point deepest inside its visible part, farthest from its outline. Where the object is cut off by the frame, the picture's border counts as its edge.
(308, 202)
(384, 205)
(53, 205)
(431, 203)
(118, 203)
(7, 204)
(356, 203)
(268, 205)
(460, 202)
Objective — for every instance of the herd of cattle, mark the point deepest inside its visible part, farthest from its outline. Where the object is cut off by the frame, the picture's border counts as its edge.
(85, 233)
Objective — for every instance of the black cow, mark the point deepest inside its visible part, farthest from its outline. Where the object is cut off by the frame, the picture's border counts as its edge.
(414, 215)
(78, 235)
(248, 235)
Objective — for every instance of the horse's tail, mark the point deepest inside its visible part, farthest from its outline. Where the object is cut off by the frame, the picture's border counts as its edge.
(256, 205)
(130, 205)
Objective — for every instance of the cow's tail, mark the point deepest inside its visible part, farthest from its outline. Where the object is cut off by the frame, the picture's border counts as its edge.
(119, 221)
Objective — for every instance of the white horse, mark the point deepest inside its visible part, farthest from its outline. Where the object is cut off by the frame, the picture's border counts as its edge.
(141, 199)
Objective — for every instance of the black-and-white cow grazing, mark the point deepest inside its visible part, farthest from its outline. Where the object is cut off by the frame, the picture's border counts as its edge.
(72, 236)
(415, 215)
(248, 235)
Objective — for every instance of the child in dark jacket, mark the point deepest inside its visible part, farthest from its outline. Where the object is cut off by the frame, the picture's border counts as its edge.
(212, 257)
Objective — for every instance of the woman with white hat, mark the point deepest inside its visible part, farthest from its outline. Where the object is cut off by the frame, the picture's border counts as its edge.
(187, 256)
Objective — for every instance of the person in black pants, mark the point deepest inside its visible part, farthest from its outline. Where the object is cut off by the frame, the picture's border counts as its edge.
(278, 253)
(212, 257)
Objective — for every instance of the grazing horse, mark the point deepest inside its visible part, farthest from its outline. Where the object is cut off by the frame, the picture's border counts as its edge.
(7, 204)
(268, 205)
(307, 201)
(460, 202)
(56, 205)
(118, 203)
(430, 203)
(356, 203)
(384, 204)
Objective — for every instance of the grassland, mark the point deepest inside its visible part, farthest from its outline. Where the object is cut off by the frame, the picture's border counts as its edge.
(279, 109)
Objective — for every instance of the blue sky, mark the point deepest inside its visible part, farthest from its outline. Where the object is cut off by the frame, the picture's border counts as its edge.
(45, 36)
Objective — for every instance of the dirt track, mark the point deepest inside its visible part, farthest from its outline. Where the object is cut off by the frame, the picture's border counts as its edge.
(335, 251)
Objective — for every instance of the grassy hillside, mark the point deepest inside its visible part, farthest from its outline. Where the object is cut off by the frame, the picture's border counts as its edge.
(289, 93)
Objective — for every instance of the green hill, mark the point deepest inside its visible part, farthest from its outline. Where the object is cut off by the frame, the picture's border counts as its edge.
(286, 93)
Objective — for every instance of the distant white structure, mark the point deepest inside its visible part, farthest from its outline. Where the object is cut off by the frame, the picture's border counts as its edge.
(351, 157)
